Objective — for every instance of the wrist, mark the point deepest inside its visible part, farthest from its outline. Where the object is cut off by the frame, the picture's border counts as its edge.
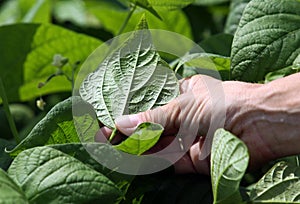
(265, 117)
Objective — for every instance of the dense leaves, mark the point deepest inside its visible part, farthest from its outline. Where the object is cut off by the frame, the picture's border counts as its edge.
(267, 39)
(58, 160)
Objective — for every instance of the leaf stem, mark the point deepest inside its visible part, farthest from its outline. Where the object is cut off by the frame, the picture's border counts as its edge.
(132, 9)
(113, 134)
(10, 119)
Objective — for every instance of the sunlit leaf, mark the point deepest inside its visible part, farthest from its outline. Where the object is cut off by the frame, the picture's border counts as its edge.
(143, 138)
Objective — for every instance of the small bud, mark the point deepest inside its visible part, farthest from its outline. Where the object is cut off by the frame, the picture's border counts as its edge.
(40, 104)
(59, 61)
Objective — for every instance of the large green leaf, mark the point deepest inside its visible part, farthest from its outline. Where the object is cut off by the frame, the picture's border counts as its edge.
(55, 177)
(144, 137)
(267, 39)
(131, 79)
(10, 191)
(27, 52)
(229, 161)
(57, 127)
(236, 10)
(280, 184)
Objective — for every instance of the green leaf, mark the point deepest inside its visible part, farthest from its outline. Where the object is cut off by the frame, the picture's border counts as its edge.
(280, 184)
(57, 127)
(131, 79)
(28, 49)
(205, 63)
(236, 10)
(267, 39)
(229, 161)
(146, 5)
(271, 76)
(209, 2)
(88, 153)
(55, 177)
(170, 4)
(10, 191)
(284, 72)
(144, 137)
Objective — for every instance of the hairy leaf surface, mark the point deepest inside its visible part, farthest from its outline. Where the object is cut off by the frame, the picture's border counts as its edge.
(229, 161)
(59, 178)
(267, 39)
(131, 79)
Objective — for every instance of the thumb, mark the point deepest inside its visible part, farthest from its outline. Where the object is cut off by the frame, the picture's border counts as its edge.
(164, 115)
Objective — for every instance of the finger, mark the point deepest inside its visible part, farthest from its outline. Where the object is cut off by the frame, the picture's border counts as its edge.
(167, 116)
(184, 165)
(199, 164)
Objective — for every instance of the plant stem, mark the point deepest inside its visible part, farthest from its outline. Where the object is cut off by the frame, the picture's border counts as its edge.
(10, 119)
(113, 134)
(132, 9)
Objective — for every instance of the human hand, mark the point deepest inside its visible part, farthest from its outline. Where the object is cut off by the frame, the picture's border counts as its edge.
(206, 104)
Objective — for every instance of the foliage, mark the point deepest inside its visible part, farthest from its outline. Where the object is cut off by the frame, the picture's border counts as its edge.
(40, 60)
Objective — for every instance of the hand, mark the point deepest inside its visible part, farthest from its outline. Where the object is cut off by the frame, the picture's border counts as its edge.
(254, 112)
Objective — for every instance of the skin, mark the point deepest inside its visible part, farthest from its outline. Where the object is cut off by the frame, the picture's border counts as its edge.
(265, 116)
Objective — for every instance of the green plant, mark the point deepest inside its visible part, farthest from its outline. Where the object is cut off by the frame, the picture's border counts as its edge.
(51, 164)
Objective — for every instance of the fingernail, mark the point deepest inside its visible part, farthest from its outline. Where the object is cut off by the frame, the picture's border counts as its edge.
(127, 123)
